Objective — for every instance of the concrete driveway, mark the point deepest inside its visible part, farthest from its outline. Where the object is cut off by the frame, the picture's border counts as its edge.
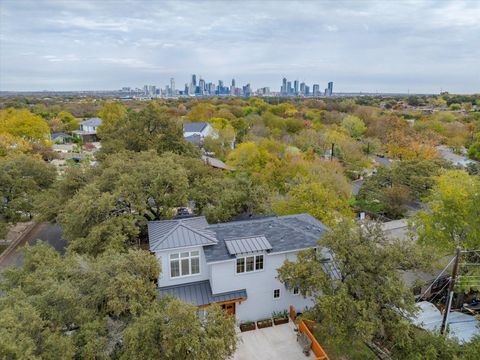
(277, 342)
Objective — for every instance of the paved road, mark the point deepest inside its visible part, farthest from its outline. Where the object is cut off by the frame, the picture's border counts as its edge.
(49, 233)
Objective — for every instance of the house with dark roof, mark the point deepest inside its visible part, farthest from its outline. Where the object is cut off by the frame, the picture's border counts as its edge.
(196, 132)
(88, 129)
(60, 138)
(233, 264)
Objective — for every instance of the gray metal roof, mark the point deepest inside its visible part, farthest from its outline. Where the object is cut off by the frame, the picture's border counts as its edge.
(200, 293)
(170, 234)
(284, 233)
(195, 126)
(92, 122)
(247, 245)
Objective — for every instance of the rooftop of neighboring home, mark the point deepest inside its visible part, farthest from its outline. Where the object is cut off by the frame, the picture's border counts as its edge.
(92, 122)
(221, 242)
(59, 135)
(461, 326)
(195, 126)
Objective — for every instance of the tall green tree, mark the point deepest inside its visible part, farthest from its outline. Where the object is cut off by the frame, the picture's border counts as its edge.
(22, 178)
(79, 307)
(152, 128)
(452, 217)
(358, 295)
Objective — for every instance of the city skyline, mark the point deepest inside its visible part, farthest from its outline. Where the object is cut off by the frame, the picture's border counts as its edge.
(363, 46)
(204, 87)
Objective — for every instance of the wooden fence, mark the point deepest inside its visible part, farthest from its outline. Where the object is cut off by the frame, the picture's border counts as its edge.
(316, 347)
(307, 327)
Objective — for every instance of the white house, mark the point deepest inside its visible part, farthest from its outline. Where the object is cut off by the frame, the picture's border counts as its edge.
(88, 129)
(196, 132)
(234, 264)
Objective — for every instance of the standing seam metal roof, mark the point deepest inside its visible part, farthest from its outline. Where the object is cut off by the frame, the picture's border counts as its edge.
(171, 234)
(200, 293)
(247, 245)
(283, 233)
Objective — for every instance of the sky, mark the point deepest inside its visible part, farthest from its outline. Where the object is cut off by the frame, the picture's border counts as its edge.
(371, 46)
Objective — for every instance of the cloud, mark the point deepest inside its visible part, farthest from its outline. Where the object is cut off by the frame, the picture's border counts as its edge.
(420, 45)
(331, 28)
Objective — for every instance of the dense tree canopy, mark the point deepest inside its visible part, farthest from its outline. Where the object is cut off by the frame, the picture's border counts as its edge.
(359, 297)
(452, 217)
(22, 178)
(78, 307)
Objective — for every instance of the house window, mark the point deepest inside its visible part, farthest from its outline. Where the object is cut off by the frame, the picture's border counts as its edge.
(276, 293)
(240, 265)
(295, 291)
(249, 263)
(259, 262)
(184, 264)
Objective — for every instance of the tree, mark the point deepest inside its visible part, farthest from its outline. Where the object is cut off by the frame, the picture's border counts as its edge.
(315, 199)
(249, 157)
(359, 292)
(183, 336)
(452, 217)
(127, 190)
(354, 126)
(75, 307)
(389, 190)
(23, 124)
(153, 128)
(21, 179)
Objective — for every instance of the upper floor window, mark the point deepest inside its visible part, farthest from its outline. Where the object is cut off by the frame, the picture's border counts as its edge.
(184, 264)
(276, 293)
(249, 263)
(295, 290)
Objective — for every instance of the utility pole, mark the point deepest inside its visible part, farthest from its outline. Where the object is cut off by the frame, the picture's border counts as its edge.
(451, 289)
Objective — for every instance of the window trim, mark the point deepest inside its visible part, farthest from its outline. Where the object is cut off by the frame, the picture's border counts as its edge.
(178, 258)
(297, 291)
(244, 257)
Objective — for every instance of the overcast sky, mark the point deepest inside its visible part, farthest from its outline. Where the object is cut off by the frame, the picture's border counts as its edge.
(385, 46)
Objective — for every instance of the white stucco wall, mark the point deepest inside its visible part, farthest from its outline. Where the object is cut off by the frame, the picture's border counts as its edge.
(259, 285)
(164, 261)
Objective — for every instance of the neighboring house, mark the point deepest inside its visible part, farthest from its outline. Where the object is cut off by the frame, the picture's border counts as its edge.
(88, 129)
(196, 132)
(60, 138)
(233, 264)
(457, 160)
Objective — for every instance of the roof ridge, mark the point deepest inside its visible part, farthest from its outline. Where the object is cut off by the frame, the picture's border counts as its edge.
(166, 235)
(214, 240)
(243, 237)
